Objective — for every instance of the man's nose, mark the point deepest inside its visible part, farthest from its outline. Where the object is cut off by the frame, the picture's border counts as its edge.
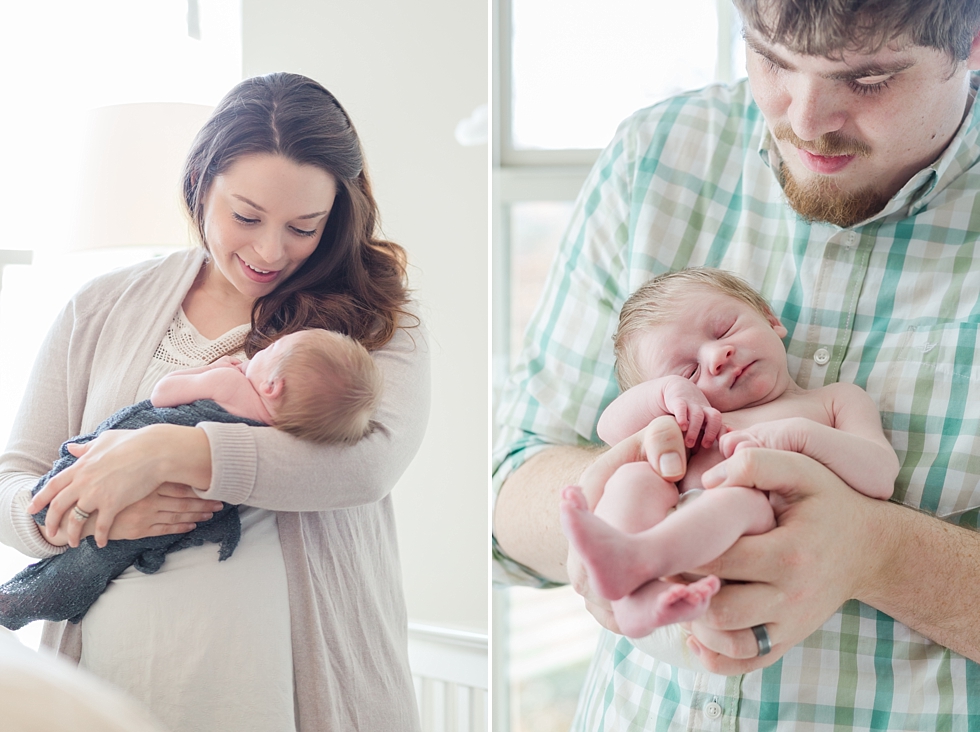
(815, 108)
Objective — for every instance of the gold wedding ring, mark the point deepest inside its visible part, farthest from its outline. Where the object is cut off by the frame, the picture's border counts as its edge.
(80, 515)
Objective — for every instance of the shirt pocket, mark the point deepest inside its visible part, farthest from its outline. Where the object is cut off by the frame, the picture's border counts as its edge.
(926, 382)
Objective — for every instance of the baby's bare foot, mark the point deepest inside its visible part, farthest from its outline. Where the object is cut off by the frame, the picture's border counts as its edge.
(657, 604)
(685, 602)
(614, 561)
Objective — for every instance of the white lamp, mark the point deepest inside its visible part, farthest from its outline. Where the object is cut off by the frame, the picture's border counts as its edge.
(132, 156)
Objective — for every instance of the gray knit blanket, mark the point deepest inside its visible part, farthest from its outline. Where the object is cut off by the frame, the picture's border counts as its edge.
(64, 587)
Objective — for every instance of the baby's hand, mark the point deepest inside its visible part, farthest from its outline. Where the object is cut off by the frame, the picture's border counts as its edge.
(692, 411)
(780, 434)
(226, 362)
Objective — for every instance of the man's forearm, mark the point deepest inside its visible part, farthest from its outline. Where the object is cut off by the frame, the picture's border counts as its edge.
(928, 578)
(525, 518)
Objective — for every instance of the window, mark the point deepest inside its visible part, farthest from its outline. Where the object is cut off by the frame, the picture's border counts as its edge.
(566, 72)
(64, 58)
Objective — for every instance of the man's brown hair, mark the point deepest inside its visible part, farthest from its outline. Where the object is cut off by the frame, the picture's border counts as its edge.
(830, 27)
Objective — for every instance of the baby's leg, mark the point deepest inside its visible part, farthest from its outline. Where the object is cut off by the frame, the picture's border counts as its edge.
(704, 529)
(635, 498)
(619, 563)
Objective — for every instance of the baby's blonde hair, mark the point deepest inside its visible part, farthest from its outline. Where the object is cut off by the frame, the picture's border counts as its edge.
(654, 303)
(331, 388)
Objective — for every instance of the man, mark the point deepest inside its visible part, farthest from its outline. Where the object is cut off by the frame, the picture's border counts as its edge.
(841, 182)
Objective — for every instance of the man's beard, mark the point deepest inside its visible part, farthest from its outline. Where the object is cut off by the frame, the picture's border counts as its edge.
(822, 199)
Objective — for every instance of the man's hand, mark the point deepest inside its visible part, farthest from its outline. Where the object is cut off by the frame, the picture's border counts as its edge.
(826, 549)
(661, 444)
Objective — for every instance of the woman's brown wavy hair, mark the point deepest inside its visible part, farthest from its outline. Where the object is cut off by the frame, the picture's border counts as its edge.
(354, 282)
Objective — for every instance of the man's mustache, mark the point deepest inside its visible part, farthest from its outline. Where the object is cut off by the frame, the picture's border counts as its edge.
(830, 145)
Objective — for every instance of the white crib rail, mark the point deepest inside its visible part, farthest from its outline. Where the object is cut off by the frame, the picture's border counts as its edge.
(451, 675)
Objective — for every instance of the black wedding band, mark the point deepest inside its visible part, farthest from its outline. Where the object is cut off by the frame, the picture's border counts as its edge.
(762, 638)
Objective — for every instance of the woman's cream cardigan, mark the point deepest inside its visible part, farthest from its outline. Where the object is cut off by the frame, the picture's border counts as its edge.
(333, 503)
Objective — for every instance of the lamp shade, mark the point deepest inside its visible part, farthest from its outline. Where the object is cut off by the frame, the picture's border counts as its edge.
(131, 160)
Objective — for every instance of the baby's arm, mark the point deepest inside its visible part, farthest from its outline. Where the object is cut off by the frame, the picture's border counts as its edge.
(223, 362)
(206, 382)
(635, 408)
(854, 448)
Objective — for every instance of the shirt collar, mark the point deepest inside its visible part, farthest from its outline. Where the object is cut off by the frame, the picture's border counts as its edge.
(961, 154)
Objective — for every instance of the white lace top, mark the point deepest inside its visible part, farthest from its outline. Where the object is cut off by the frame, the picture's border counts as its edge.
(157, 636)
(183, 347)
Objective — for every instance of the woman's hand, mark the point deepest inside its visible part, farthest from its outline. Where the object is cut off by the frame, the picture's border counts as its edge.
(661, 444)
(825, 549)
(115, 471)
(170, 509)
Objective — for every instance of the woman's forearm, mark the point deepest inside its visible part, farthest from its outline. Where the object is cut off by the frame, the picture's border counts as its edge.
(926, 577)
(18, 528)
(525, 518)
(184, 455)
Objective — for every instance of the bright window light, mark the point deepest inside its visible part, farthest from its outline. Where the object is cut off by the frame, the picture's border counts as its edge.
(581, 67)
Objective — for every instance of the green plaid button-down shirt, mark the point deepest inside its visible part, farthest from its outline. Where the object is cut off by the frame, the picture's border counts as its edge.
(894, 301)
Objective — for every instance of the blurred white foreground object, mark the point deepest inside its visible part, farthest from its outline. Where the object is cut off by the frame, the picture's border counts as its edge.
(42, 693)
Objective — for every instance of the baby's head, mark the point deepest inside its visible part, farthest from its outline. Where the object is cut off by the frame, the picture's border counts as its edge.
(699, 323)
(319, 385)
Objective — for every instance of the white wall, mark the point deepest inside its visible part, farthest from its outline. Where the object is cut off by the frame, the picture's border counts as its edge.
(407, 72)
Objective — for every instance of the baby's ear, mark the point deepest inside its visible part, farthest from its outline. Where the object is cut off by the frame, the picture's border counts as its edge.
(272, 388)
(777, 325)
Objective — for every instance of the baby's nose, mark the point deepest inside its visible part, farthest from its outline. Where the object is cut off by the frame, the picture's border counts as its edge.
(720, 356)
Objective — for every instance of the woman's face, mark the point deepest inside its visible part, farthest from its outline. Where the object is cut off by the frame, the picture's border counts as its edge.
(263, 218)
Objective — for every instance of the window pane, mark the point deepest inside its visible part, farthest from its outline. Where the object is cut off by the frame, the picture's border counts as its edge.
(536, 229)
(580, 66)
(550, 636)
(551, 640)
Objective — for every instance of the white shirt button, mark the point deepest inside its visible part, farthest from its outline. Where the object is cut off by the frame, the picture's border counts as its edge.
(821, 356)
(712, 710)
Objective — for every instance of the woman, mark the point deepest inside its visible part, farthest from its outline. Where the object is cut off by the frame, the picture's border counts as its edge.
(308, 614)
